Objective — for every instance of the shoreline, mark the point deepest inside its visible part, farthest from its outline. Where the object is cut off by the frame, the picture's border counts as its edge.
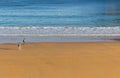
(17, 39)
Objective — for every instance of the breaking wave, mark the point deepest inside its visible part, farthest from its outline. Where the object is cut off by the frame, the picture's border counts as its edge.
(59, 31)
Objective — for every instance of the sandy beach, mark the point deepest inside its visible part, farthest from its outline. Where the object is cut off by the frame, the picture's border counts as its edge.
(60, 60)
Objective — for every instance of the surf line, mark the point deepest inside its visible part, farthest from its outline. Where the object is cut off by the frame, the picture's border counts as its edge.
(59, 34)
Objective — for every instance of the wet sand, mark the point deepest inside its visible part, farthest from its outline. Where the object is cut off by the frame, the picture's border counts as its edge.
(60, 60)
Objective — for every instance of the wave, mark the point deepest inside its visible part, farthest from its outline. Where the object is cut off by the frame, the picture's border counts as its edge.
(59, 31)
(112, 35)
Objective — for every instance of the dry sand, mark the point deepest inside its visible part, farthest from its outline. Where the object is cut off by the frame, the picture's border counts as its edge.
(60, 60)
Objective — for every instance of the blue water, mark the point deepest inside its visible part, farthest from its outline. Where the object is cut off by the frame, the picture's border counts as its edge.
(60, 15)
(59, 22)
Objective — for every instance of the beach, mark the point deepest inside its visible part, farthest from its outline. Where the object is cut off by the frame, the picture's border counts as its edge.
(63, 39)
(60, 60)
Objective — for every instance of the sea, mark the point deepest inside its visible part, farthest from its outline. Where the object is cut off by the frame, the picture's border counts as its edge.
(87, 22)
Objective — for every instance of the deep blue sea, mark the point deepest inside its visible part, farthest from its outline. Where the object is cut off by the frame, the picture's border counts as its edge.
(76, 15)
(60, 19)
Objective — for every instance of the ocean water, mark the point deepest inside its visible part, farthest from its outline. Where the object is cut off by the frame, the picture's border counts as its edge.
(95, 19)
(60, 15)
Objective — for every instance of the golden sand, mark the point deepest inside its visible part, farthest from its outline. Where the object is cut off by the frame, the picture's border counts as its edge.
(60, 60)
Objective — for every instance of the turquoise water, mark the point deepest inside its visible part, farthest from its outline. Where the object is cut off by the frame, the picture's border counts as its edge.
(59, 22)
(60, 15)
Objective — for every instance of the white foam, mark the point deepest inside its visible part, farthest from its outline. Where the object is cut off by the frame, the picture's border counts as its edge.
(60, 31)
(112, 35)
